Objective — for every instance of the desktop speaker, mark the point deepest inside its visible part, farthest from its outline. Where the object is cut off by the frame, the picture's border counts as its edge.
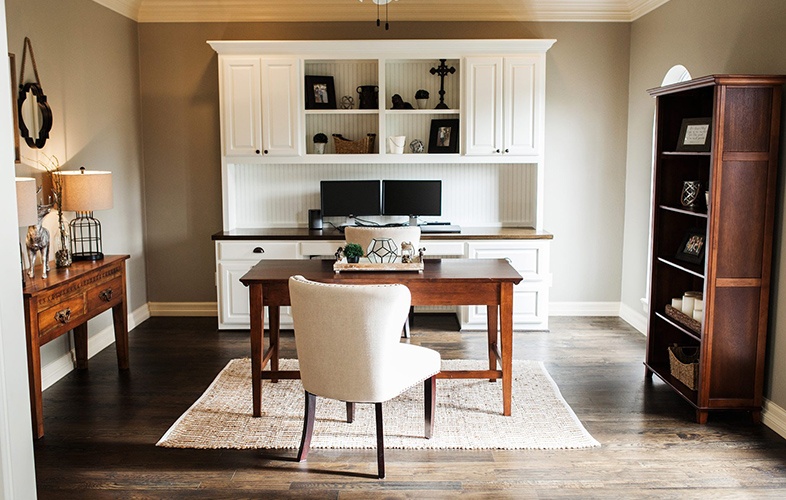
(315, 219)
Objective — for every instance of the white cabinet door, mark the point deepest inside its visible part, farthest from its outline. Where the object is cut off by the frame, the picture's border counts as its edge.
(530, 297)
(504, 113)
(521, 108)
(281, 107)
(483, 117)
(241, 110)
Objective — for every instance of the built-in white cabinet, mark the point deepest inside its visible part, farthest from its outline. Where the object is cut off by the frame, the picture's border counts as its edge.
(504, 105)
(261, 106)
(530, 297)
(233, 260)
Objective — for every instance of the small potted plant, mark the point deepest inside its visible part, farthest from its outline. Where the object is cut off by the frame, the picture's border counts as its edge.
(319, 143)
(422, 97)
(353, 252)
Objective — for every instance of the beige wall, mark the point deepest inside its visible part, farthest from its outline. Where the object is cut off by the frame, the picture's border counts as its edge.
(706, 36)
(587, 82)
(87, 60)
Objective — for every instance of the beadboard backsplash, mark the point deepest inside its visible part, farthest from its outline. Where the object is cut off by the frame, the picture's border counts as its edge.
(280, 195)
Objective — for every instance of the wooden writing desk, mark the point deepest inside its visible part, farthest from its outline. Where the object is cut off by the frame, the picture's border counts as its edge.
(486, 282)
(64, 301)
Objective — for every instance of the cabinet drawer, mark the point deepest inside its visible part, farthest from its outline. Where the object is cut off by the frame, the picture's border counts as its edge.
(256, 250)
(443, 248)
(319, 248)
(67, 312)
(103, 294)
(529, 258)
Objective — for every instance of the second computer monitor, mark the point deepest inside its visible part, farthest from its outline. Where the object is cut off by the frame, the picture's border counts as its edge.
(411, 197)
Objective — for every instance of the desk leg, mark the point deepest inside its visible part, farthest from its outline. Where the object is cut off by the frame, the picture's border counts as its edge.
(80, 345)
(274, 319)
(120, 320)
(257, 333)
(491, 314)
(506, 339)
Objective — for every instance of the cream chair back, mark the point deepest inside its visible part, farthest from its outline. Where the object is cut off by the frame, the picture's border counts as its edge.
(364, 235)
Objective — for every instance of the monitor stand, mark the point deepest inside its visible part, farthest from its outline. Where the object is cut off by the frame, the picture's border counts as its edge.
(413, 220)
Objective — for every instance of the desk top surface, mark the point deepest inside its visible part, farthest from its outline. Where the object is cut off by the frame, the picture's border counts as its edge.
(471, 270)
(302, 233)
(58, 276)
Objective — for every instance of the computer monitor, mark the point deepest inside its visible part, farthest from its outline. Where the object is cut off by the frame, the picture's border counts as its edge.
(412, 198)
(349, 198)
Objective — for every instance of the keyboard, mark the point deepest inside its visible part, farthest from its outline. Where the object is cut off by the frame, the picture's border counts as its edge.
(440, 228)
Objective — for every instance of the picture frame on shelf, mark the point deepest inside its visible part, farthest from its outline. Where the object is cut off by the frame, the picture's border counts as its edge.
(692, 247)
(320, 92)
(695, 135)
(444, 136)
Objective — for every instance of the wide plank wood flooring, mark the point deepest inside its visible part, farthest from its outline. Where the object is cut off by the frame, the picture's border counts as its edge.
(101, 428)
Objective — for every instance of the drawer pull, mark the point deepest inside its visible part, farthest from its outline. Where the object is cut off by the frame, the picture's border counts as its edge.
(106, 295)
(63, 316)
(259, 250)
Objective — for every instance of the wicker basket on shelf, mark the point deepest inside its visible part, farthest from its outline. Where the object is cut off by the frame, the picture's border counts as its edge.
(361, 146)
(684, 365)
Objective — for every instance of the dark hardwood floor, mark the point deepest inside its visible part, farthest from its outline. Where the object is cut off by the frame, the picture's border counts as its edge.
(101, 428)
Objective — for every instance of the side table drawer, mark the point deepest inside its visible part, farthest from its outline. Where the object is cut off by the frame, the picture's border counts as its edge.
(105, 294)
(69, 311)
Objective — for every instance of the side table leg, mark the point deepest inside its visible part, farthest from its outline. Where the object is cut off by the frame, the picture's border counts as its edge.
(34, 374)
(80, 346)
(120, 320)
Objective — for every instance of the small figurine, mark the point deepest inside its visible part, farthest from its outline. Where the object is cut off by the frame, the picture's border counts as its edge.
(421, 251)
(417, 146)
(37, 241)
(407, 252)
(398, 103)
(339, 253)
(347, 102)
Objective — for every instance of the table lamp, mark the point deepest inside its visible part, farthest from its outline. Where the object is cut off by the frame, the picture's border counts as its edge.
(84, 192)
(26, 209)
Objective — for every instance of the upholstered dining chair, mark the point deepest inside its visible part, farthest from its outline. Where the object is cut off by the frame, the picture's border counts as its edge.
(365, 235)
(348, 348)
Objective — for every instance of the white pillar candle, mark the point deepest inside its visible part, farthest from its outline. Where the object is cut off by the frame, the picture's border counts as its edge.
(698, 305)
(687, 305)
(676, 304)
(698, 315)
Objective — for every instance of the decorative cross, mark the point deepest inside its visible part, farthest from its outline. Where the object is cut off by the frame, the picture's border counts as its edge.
(442, 70)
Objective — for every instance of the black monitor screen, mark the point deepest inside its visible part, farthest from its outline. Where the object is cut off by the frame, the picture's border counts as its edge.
(411, 197)
(349, 198)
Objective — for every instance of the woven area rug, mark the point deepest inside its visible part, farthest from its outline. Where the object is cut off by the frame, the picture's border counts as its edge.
(468, 415)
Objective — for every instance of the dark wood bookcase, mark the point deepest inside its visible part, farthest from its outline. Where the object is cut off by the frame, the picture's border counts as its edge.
(739, 168)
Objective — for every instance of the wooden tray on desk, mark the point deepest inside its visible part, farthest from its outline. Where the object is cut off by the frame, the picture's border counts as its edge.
(343, 265)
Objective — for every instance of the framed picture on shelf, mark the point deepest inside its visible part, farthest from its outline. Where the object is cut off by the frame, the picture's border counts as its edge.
(695, 135)
(444, 136)
(320, 92)
(692, 247)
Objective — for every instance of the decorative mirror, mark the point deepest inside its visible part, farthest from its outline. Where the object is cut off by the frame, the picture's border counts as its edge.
(35, 116)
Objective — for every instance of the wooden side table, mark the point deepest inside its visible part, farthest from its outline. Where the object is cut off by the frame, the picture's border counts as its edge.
(64, 301)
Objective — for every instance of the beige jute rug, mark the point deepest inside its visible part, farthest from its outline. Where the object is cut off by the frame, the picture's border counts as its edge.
(468, 415)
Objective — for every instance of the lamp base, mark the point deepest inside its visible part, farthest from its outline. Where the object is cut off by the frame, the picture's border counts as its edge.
(92, 256)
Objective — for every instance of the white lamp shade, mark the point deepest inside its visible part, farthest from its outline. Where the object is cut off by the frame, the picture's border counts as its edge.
(86, 190)
(26, 203)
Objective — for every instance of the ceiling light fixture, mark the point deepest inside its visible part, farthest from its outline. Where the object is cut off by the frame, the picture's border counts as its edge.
(385, 3)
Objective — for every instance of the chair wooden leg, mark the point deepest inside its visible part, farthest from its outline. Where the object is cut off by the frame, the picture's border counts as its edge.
(430, 403)
(350, 412)
(308, 426)
(405, 334)
(380, 442)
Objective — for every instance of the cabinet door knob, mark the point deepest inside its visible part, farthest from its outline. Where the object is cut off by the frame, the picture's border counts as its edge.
(63, 316)
(496, 150)
(507, 151)
(106, 295)
(257, 151)
(266, 151)
(259, 250)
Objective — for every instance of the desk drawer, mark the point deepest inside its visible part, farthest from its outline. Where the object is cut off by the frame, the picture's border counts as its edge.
(104, 294)
(67, 312)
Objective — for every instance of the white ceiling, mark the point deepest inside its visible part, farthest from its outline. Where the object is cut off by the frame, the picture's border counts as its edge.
(154, 11)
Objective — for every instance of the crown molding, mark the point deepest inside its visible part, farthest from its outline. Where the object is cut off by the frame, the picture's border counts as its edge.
(128, 8)
(184, 11)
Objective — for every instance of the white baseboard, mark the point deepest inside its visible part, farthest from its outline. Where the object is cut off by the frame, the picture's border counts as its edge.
(584, 308)
(634, 318)
(774, 417)
(183, 308)
(62, 366)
